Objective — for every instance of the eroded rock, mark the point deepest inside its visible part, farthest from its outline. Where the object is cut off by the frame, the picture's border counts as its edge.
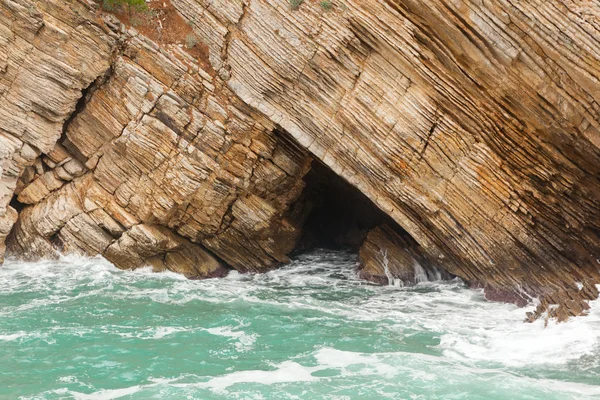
(481, 142)
(389, 257)
(6, 223)
(50, 51)
(161, 165)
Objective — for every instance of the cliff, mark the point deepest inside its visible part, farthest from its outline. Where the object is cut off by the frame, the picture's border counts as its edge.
(473, 126)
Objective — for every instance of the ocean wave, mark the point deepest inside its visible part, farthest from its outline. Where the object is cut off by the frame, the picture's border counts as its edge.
(307, 327)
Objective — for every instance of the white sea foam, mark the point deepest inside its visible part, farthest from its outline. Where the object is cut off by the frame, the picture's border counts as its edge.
(107, 394)
(475, 338)
(371, 364)
(285, 372)
(420, 274)
(291, 371)
(244, 341)
(158, 332)
(501, 338)
(470, 328)
(392, 280)
(13, 336)
(164, 331)
(430, 370)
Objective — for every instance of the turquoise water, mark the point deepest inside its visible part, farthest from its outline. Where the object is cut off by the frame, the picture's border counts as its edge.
(81, 329)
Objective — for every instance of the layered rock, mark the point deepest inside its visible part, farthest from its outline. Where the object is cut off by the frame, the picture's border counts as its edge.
(473, 125)
(388, 257)
(49, 53)
(161, 165)
(6, 223)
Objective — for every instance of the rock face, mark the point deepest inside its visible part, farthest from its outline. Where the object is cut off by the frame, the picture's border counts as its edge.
(472, 125)
(46, 60)
(157, 164)
(388, 257)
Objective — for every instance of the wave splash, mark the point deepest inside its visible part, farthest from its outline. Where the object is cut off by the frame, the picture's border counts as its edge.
(306, 330)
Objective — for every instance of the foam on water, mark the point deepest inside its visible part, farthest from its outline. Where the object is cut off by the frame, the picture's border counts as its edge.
(79, 328)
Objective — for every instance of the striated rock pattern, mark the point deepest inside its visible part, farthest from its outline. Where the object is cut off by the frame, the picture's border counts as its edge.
(46, 60)
(473, 125)
(388, 257)
(156, 166)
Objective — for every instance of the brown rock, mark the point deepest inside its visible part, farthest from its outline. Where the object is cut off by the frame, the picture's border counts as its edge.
(162, 170)
(480, 142)
(6, 223)
(49, 53)
(157, 246)
(388, 257)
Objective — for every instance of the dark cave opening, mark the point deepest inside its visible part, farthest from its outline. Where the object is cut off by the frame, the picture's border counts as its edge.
(337, 215)
(16, 204)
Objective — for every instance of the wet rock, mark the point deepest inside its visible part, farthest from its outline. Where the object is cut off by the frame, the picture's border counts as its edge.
(388, 257)
(163, 250)
(6, 223)
(506, 295)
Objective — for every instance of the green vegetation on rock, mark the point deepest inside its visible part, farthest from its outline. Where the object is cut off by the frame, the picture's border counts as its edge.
(326, 5)
(191, 41)
(295, 4)
(131, 5)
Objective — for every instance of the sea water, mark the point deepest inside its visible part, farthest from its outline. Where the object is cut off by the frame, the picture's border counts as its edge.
(81, 329)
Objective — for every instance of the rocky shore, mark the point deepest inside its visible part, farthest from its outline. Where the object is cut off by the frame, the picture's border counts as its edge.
(460, 137)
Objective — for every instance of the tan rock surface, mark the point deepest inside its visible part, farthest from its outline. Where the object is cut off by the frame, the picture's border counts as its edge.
(388, 257)
(473, 125)
(49, 53)
(6, 223)
(165, 163)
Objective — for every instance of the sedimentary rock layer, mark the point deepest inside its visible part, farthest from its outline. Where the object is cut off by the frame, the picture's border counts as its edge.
(473, 125)
(157, 164)
(391, 257)
(46, 60)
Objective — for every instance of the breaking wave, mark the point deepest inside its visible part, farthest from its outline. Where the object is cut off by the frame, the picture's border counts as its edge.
(79, 328)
